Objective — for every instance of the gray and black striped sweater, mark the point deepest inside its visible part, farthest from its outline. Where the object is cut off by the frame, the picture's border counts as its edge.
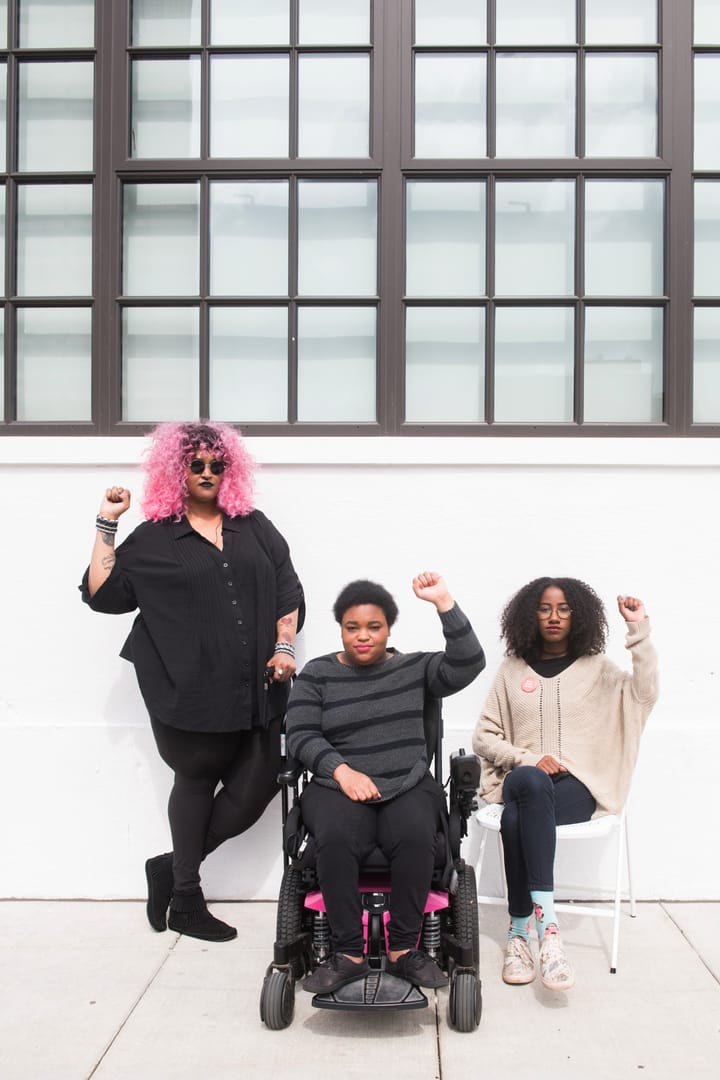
(372, 718)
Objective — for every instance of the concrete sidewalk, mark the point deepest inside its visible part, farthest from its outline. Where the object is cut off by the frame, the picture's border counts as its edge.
(88, 990)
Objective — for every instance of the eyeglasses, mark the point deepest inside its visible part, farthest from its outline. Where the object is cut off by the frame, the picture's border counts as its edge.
(198, 466)
(564, 611)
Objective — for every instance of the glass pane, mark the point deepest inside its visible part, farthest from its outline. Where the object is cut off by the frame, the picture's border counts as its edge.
(622, 106)
(249, 364)
(623, 365)
(534, 365)
(2, 251)
(2, 364)
(707, 22)
(249, 238)
(707, 112)
(535, 238)
(526, 22)
(450, 106)
(707, 238)
(334, 106)
(337, 238)
(334, 22)
(54, 240)
(56, 24)
(161, 242)
(165, 108)
(450, 22)
(247, 22)
(167, 22)
(55, 117)
(445, 238)
(54, 348)
(535, 106)
(3, 113)
(616, 22)
(706, 368)
(445, 365)
(624, 247)
(3, 35)
(249, 106)
(336, 364)
(160, 364)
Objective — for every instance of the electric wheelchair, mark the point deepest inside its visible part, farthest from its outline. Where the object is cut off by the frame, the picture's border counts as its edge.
(450, 932)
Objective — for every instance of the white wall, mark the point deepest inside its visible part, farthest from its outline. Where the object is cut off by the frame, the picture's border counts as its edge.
(82, 790)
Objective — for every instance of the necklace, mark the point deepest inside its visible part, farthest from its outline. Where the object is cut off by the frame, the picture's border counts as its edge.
(209, 530)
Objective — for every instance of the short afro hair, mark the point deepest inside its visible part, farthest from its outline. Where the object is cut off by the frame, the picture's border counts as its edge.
(365, 592)
(519, 625)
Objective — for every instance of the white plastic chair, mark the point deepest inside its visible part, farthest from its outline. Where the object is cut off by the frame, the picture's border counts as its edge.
(488, 818)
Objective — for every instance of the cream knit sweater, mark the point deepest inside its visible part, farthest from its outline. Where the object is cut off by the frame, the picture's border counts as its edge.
(590, 717)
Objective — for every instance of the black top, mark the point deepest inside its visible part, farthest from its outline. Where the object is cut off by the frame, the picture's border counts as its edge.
(548, 669)
(207, 622)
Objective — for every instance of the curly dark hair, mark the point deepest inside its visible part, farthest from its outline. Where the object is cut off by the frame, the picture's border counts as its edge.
(365, 592)
(519, 625)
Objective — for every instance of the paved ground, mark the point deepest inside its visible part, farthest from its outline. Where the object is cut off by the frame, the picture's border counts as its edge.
(88, 990)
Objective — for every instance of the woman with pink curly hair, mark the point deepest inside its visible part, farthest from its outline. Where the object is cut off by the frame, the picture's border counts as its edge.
(213, 647)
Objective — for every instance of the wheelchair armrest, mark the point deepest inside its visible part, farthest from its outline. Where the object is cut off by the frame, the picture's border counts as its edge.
(291, 773)
(464, 781)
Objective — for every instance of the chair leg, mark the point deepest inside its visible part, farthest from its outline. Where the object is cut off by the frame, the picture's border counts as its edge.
(480, 858)
(618, 896)
(631, 891)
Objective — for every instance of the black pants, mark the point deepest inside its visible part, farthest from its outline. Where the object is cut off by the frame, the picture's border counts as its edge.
(246, 765)
(534, 804)
(345, 832)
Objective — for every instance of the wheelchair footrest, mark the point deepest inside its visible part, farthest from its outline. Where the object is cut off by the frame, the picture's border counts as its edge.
(378, 990)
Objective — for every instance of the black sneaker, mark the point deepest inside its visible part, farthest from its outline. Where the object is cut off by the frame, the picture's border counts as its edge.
(159, 874)
(417, 968)
(336, 971)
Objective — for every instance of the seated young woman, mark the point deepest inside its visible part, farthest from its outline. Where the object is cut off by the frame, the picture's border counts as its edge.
(355, 720)
(558, 738)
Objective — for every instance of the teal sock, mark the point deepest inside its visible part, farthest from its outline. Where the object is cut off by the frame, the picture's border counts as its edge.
(544, 911)
(520, 926)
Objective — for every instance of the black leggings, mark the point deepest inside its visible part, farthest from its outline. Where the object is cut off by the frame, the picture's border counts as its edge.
(245, 763)
(534, 804)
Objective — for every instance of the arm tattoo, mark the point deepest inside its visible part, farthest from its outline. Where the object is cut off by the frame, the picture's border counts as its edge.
(108, 539)
(107, 562)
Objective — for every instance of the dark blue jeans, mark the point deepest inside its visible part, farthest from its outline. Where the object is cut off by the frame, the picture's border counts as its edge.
(534, 804)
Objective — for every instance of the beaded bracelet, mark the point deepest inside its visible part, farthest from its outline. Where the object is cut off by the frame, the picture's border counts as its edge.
(286, 647)
(106, 525)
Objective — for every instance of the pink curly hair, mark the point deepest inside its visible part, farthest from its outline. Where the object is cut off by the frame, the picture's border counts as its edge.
(173, 447)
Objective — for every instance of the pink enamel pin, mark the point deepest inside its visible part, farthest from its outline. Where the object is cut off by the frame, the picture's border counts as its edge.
(529, 685)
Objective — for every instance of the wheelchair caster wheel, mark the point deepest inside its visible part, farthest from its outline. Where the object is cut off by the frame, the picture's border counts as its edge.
(277, 1000)
(465, 1005)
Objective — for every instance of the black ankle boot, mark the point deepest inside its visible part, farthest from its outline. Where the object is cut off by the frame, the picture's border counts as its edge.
(189, 915)
(159, 874)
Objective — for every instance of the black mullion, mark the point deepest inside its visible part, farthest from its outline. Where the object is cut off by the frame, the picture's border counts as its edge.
(293, 320)
(580, 300)
(490, 292)
(204, 316)
(104, 355)
(391, 193)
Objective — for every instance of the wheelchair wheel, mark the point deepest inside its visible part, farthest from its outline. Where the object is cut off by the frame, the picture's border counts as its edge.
(464, 913)
(291, 906)
(465, 1004)
(277, 1000)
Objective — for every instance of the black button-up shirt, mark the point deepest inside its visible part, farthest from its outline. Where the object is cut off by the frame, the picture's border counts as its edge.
(207, 622)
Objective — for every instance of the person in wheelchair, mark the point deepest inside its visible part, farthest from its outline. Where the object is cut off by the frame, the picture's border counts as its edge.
(355, 720)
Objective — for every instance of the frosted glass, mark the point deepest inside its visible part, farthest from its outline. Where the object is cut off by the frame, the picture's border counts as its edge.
(55, 117)
(450, 22)
(2, 248)
(445, 365)
(617, 22)
(334, 22)
(707, 22)
(445, 233)
(160, 364)
(707, 112)
(535, 106)
(706, 280)
(534, 350)
(166, 22)
(249, 238)
(334, 106)
(249, 106)
(337, 238)
(450, 106)
(535, 238)
(161, 240)
(337, 364)
(706, 366)
(250, 22)
(3, 37)
(249, 364)
(623, 365)
(54, 240)
(624, 245)
(165, 119)
(54, 348)
(527, 22)
(55, 24)
(622, 106)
